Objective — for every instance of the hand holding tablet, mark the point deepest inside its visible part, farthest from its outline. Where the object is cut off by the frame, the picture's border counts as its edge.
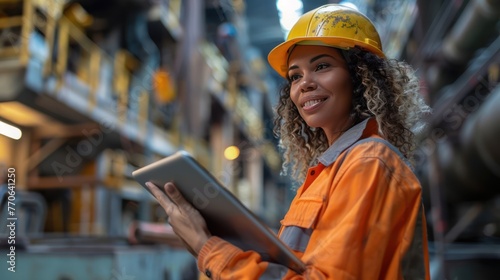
(225, 216)
(187, 222)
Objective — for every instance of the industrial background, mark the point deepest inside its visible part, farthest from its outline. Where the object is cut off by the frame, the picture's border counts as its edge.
(91, 90)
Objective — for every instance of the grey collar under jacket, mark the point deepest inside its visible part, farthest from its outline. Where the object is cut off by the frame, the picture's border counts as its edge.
(345, 141)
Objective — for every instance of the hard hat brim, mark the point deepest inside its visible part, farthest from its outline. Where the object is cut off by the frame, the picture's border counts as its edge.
(278, 56)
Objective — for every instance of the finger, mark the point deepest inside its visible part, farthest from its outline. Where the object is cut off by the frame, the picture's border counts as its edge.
(176, 196)
(164, 200)
(155, 191)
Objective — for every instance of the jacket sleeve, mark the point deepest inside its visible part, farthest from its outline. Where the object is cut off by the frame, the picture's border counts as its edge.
(363, 231)
(219, 259)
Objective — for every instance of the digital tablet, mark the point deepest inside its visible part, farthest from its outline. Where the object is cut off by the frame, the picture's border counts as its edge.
(226, 216)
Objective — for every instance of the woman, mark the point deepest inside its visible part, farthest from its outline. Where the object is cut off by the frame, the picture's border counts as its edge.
(346, 120)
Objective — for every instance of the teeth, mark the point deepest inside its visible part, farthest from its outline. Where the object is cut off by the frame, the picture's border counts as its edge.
(312, 102)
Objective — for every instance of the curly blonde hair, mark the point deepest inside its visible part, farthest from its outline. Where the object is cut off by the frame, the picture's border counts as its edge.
(386, 89)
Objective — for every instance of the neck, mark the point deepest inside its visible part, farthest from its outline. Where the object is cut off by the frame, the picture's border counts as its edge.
(335, 135)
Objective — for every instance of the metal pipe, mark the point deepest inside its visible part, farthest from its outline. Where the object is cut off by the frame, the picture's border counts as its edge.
(473, 168)
(153, 233)
(482, 131)
(473, 30)
(475, 27)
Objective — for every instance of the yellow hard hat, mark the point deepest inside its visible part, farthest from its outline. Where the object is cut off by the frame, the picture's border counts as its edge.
(331, 25)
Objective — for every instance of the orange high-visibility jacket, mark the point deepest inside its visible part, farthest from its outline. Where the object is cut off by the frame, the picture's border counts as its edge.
(358, 215)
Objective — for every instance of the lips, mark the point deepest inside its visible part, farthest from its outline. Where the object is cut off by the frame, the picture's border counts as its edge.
(312, 103)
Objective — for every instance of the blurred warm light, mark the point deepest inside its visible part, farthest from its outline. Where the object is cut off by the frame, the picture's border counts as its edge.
(232, 152)
(10, 131)
(163, 86)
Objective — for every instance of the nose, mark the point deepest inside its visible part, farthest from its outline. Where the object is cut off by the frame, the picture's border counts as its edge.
(307, 83)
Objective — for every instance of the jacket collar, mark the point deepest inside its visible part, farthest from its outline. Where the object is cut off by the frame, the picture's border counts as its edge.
(345, 141)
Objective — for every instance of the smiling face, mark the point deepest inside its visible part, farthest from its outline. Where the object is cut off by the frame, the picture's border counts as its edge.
(321, 88)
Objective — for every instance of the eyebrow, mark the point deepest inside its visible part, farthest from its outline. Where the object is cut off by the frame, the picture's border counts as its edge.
(312, 60)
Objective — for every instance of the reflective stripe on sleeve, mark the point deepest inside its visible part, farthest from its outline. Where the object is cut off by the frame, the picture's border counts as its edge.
(296, 237)
(274, 271)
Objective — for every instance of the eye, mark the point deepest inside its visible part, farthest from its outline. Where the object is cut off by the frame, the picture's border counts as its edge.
(322, 65)
(293, 77)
